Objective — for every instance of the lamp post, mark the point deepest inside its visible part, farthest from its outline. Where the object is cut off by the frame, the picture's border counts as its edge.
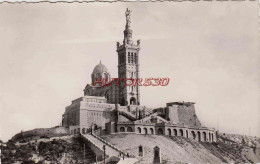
(104, 148)
(84, 154)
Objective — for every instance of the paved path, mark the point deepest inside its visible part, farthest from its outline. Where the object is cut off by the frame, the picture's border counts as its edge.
(109, 151)
(127, 161)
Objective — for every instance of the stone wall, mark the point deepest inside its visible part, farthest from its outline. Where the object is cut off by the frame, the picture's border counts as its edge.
(198, 134)
(54, 131)
(182, 113)
(87, 110)
(171, 114)
(100, 118)
(187, 115)
(122, 118)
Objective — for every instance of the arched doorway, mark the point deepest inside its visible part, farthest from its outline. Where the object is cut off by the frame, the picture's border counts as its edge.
(209, 137)
(129, 129)
(145, 131)
(193, 135)
(151, 129)
(95, 126)
(160, 131)
(175, 132)
(169, 132)
(199, 138)
(181, 132)
(139, 130)
(122, 129)
(84, 131)
(122, 102)
(107, 96)
(133, 101)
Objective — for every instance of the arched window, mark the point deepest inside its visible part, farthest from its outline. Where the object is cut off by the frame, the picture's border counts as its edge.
(181, 132)
(193, 135)
(122, 129)
(145, 131)
(151, 129)
(139, 130)
(135, 58)
(128, 57)
(175, 132)
(199, 137)
(204, 136)
(129, 129)
(132, 58)
(169, 132)
(160, 131)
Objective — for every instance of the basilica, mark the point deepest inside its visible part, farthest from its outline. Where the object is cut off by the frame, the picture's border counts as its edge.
(116, 108)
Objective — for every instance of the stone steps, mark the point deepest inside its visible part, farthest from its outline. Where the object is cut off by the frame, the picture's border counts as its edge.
(109, 151)
(127, 114)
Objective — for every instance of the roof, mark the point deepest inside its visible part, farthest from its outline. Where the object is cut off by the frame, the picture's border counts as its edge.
(180, 103)
(100, 68)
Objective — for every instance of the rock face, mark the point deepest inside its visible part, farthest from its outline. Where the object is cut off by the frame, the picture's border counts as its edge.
(178, 149)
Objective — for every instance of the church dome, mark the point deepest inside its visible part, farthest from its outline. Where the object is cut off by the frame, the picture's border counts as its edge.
(100, 73)
(100, 68)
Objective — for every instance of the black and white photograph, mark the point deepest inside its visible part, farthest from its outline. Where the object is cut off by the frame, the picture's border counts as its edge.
(169, 82)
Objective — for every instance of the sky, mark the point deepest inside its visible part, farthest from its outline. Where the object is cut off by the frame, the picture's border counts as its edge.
(209, 50)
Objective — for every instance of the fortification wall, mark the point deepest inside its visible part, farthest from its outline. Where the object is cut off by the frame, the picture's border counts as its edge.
(187, 115)
(172, 114)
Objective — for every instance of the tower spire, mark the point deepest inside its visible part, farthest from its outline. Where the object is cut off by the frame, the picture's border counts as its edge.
(128, 32)
(128, 65)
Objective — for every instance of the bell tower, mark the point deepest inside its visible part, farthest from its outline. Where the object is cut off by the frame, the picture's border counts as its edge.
(128, 65)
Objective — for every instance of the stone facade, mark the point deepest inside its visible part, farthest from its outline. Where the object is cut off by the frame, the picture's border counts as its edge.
(116, 108)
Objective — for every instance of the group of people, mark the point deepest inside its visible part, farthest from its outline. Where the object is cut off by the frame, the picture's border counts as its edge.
(123, 155)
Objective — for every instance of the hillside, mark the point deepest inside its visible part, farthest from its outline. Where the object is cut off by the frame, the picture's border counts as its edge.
(183, 150)
(230, 148)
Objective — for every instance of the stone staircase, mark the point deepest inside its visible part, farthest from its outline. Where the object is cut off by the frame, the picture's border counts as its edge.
(127, 114)
(111, 150)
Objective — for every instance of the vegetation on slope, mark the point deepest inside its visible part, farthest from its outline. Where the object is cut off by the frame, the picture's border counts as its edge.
(55, 151)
